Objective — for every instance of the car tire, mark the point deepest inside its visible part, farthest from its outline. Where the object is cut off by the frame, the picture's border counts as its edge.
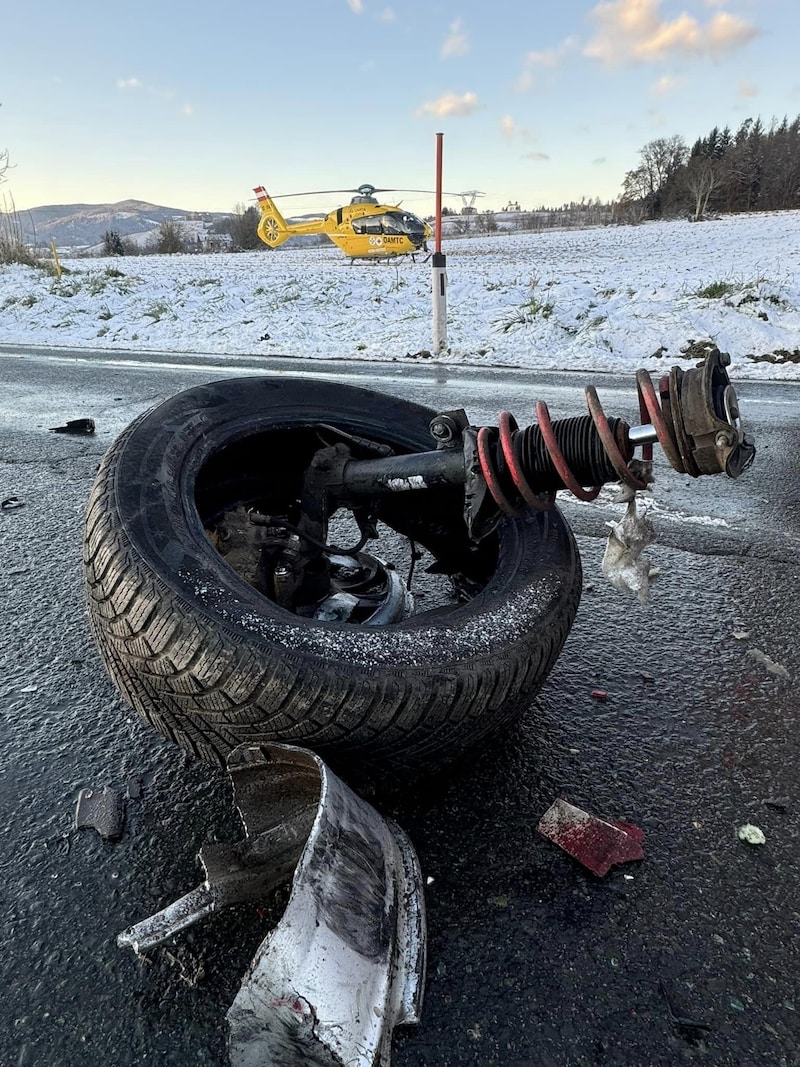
(212, 663)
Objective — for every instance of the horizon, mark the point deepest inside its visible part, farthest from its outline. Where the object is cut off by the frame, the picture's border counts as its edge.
(538, 106)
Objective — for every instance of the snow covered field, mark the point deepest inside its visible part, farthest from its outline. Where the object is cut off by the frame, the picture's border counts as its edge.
(600, 299)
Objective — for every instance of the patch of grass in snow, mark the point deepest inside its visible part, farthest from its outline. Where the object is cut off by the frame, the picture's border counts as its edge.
(203, 283)
(105, 312)
(92, 282)
(289, 295)
(739, 293)
(716, 290)
(13, 250)
(26, 301)
(157, 310)
(526, 314)
(535, 307)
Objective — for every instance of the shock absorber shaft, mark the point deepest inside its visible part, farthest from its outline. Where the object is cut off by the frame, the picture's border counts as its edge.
(581, 446)
(577, 439)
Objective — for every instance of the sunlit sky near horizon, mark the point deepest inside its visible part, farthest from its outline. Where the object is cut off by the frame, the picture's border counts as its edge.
(191, 105)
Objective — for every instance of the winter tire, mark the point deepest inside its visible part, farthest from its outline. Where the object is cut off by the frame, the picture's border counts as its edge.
(211, 663)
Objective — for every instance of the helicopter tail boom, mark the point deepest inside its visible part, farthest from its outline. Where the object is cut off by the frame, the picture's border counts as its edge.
(272, 228)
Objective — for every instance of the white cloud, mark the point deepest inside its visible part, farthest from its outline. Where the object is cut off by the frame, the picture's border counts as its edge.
(666, 84)
(356, 6)
(549, 58)
(511, 131)
(633, 31)
(747, 89)
(165, 96)
(450, 105)
(387, 15)
(540, 156)
(456, 43)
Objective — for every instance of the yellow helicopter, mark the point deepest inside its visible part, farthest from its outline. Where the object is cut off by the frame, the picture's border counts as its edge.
(362, 229)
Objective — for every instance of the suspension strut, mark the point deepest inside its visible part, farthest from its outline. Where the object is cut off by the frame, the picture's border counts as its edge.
(505, 470)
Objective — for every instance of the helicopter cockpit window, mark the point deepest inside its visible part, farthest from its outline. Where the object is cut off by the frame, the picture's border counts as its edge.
(371, 224)
(406, 223)
(390, 222)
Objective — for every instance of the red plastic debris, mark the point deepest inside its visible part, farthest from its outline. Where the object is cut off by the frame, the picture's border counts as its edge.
(599, 694)
(596, 843)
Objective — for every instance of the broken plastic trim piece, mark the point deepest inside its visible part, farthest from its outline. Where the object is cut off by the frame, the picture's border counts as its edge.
(596, 843)
(75, 426)
(102, 810)
(346, 963)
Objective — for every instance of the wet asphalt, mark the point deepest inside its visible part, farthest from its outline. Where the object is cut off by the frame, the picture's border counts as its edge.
(690, 955)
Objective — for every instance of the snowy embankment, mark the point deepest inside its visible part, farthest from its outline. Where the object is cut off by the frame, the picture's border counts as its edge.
(614, 298)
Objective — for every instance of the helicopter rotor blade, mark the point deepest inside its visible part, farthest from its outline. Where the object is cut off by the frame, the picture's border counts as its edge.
(313, 192)
(361, 189)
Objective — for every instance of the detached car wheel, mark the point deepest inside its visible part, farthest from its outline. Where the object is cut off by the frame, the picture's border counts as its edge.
(187, 505)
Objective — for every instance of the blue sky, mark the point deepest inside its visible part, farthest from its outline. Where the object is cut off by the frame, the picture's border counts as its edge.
(192, 104)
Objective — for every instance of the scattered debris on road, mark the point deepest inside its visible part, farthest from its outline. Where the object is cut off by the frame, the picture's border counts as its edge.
(596, 843)
(751, 835)
(102, 810)
(75, 426)
(768, 663)
(624, 564)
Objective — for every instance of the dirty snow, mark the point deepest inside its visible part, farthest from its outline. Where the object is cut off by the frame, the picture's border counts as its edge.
(612, 298)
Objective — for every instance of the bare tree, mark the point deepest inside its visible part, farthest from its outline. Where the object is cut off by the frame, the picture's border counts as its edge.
(244, 228)
(702, 178)
(462, 224)
(636, 191)
(660, 160)
(485, 222)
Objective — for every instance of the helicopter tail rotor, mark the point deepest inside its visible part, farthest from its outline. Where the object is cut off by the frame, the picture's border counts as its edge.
(272, 228)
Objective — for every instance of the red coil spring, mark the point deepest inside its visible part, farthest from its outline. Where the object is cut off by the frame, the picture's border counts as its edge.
(649, 408)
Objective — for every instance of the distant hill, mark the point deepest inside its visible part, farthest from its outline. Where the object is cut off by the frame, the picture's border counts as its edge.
(83, 225)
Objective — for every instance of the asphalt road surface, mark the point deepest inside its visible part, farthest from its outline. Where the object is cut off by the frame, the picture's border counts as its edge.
(690, 955)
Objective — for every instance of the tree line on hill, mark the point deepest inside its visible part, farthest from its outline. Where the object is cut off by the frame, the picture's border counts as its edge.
(757, 168)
